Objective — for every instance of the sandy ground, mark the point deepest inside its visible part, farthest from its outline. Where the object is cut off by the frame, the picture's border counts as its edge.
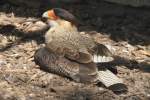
(125, 30)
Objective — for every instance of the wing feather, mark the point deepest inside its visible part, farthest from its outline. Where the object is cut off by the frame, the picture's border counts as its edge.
(60, 65)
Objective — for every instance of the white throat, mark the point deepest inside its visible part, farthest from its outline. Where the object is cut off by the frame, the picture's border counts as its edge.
(52, 23)
(61, 24)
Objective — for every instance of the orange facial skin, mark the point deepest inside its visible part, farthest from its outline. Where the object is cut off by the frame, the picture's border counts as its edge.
(51, 15)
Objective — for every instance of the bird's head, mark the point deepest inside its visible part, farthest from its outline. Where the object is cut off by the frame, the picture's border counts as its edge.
(59, 17)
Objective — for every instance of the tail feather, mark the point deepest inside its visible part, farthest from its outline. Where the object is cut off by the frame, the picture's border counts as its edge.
(108, 78)
(100, 59)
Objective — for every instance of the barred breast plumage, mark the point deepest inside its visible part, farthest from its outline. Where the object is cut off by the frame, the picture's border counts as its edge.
(75, 46)
(53, 63)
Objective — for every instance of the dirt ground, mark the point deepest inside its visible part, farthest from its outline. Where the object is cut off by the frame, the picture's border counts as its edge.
(125, 30)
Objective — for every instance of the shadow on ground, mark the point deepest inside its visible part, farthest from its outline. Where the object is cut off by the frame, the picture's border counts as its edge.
(130, 64)
(122, 23)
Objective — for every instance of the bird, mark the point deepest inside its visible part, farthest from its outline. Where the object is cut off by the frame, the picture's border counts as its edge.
(64, 38)
(81, 73)
(71, 54)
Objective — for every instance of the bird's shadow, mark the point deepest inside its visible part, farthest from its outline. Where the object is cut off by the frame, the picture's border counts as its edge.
(82, 93)
(10, 31)
(130, 64)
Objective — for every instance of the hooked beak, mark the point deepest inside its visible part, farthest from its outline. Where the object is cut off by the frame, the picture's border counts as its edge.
(44, 17)
(50, 14)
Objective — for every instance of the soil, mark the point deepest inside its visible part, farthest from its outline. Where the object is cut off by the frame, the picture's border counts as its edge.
(123, 29)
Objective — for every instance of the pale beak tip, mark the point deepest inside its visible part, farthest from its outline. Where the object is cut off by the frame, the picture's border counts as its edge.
(45, 15)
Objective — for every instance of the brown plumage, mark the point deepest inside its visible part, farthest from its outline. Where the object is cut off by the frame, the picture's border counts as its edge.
(64, 38)
(86, 73)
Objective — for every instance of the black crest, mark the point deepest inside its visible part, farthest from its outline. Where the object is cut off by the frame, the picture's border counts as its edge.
(64, 14)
